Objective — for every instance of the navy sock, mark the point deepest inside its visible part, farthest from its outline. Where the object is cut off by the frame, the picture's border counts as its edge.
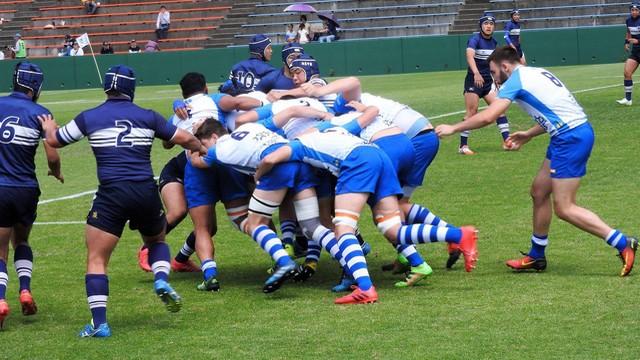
(628, 88)
(4, 279)
(23, 262)
(188, 248)
(159, 259)
(503, 125)
(97, 294)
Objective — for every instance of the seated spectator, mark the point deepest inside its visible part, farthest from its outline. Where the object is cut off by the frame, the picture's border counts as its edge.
(50, 26)
(90, 6)
(329, 32)
(303, 34)
(76, 50)
(151, 46)
(163, 22)
(290, 35)
(67, 45)
(106, 48)
(133, 47)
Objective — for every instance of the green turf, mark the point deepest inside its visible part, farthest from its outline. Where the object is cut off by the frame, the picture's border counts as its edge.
(578, 309)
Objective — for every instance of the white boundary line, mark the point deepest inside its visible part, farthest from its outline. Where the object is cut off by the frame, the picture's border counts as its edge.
(73, 196)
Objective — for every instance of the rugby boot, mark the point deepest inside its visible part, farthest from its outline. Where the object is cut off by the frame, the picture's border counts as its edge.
(188, 266)
(628, 256)
(28, 305)
(625, 102)
(359, 297)
(416, 275)
(465, 150)
(306, 271)
(101, 331)
(211, 284)
(4, 311)
(469, 247)
(454, 254)
(280, 275)
(169, 297)
(527, 263)
(143, 259)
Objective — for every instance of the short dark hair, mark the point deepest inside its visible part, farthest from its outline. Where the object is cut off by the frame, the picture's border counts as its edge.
(303, 17)
(192, 83)
(209, 127)
(504, 53)
(163, 7)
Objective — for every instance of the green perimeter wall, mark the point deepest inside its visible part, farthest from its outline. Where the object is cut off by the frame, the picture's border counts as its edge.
(576, 46)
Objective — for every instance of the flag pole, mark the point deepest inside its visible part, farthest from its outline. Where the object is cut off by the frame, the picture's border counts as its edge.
(96, 63)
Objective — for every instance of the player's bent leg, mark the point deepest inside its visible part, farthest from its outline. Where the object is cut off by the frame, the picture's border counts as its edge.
(307, 212)
(262, 206)
(542, 212)
(23, 263)
(564, 202)
(630, 67)
(159, 258)
(175, 202)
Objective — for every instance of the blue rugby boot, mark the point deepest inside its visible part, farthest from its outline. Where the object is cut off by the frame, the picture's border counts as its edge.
(101, 332)
(169, 297)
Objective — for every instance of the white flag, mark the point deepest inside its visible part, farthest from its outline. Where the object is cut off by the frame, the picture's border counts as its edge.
(83, 40)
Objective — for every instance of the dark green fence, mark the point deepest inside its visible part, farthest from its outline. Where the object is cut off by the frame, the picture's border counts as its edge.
(596, 45)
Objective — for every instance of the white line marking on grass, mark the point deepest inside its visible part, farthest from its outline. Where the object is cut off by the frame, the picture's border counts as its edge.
(72, 196)
(60, 223)
(484, 107)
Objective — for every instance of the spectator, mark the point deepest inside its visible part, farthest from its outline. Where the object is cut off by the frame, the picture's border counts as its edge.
(290, 35)
(50, 26)
(151, 46)
(163, 23)
(329, 32)
(90, 6)
(303, 21)
(303, 34)
(133, 47)
(76, 50)
(20, 50)
(106, 48)
(67, 45)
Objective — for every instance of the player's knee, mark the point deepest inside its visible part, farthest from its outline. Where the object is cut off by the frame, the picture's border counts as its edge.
(389, 224)
(562, 210)
(346, 220)
(238, 216)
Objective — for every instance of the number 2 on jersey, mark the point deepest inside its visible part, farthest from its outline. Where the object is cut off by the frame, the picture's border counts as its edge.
(125, 126)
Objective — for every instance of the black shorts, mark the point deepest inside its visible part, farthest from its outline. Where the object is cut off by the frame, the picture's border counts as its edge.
(635, 53)
(137, 202)
(520, 52)
(173, 171)
(18, 205)
(470, 86)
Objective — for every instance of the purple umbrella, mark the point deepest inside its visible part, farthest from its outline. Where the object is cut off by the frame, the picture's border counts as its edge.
(301, 8)
(329, 17)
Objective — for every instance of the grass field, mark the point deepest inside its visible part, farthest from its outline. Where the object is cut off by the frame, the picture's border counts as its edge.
(579, 308)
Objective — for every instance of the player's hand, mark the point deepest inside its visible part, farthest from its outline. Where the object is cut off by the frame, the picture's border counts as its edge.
(310, 89)
(634, 41)
(518, 139)
(478, 80)
(274, 95)
(182, 113)
(358, 106)
(47, 122)
(444, 130)
(57, 175)
(627, 47)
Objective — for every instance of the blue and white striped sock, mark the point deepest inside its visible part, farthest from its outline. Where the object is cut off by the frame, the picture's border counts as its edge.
(617, 240)
(188, 248)
(538, 245)
(422, 215)
(421, 234)
(503, 125)
(628, 89)
(327, 240)
(23, 262)
(411, 254)
(159, 259)
(288, 231)
(209, 269)
(97, 286)
(313, 250)
(4, 279)
(354, 258)
(269, 242)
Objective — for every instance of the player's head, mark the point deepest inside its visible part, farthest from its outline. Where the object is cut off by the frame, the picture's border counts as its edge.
(193, 83)
(291, 51)
(515, 15)
(260, 47)
(120, 80)
(209, 130)
(28, 78)
(502, 62)
(634, 8)
(304, 68)
(487, 24)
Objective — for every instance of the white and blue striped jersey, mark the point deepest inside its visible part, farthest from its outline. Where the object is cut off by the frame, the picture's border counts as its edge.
(20, 135)
(120, 134)
(545, 98)
(633, 26)
(201, 107)
(326, 149)
(243, 148)
(512, 33)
